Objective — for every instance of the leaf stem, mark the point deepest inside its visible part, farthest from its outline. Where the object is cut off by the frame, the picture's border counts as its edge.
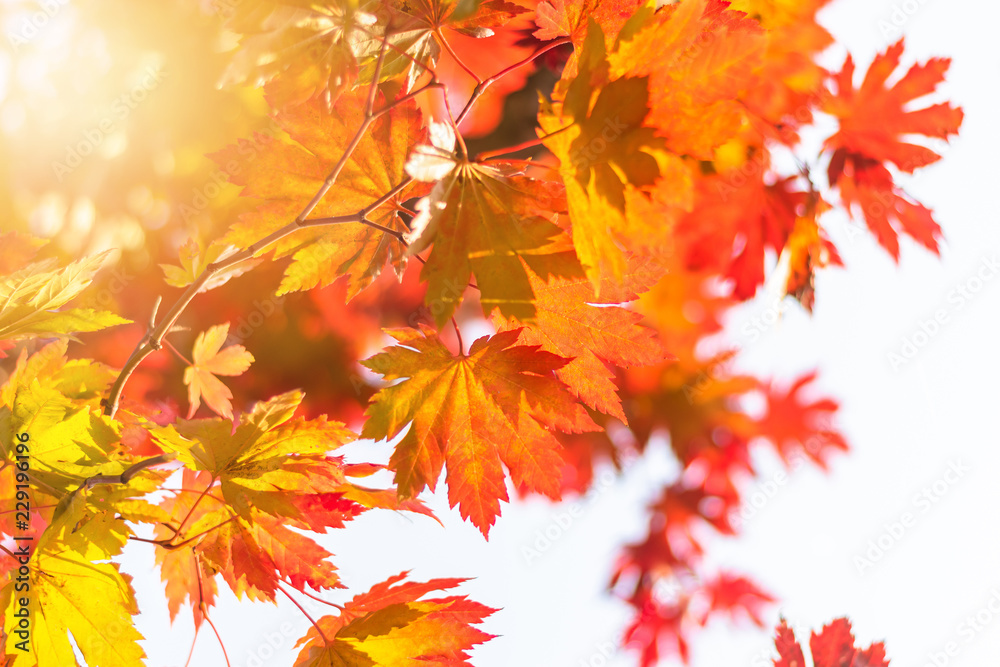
(193, 642)
(177, 352)
(219, 637)
(451, 52)
(319, 599)
(458, 334)
(194, 505)
(486, 155)
(326, 640)
(172, 547)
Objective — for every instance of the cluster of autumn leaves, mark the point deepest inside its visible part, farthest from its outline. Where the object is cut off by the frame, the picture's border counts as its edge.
(601, 267)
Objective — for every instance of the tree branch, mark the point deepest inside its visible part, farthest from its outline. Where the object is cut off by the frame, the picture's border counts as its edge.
(486, 83)
(153, 340)
(129, 473)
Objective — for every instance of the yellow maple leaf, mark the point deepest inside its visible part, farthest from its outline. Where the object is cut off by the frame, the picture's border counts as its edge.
(30, 296)
(211, 360)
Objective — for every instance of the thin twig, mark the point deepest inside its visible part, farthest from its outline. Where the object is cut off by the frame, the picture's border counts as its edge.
(463, 149)
(373, 89)
(481, 88)
(153, 339)
(156, 308)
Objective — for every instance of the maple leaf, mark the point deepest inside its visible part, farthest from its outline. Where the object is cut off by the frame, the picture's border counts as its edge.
(736, 594)
(390, 626)
(472, 413)
(82, 380)
(559, 18)
(833, 646)
(867, 185)
(697, 403)
(286, 176)
(872, 123)
(789, 651)
(69, 441)
(731, 228)
(789, 83)
(807, 249)
(573, 322)
(187, 577)
(194, 260)
(605, 152)
(30, 296)
(312, 49)
(211, 360)
(684, 308)
(270, 462)
(484, 220)
(253, 551)
(72, 595)
(184, 572)
(73, 591)
(873, 118)
(256, 553)
(699, 57)
(797, 426)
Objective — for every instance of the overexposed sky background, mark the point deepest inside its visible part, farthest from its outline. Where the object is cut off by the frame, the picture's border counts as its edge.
(908, 426)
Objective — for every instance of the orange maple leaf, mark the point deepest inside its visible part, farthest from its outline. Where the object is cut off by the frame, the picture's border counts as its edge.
(210, 360)
(573, 322)
(390, 626)
(565, 18)
(699, 57)
(498, 405)
(873, 121)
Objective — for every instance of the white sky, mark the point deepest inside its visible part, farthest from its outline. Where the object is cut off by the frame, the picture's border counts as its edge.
(905, 426)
